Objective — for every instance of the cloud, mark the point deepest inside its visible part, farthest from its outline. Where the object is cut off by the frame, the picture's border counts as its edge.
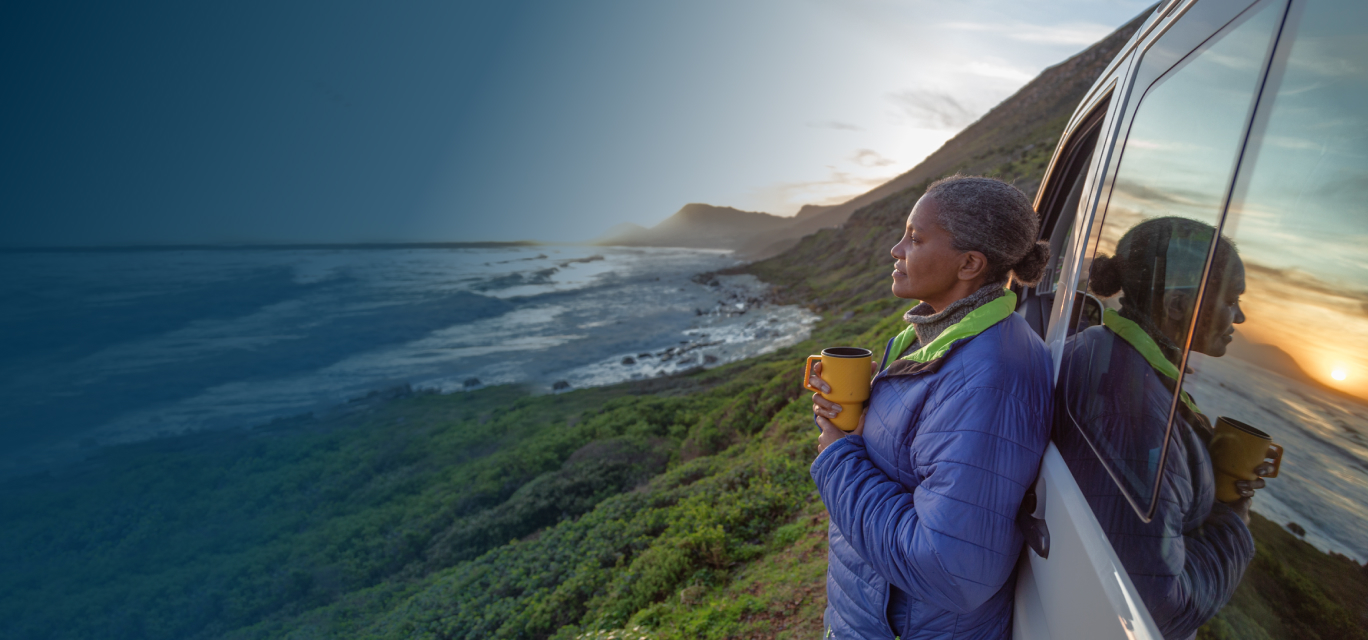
(785, 198)
(1074, 34)
(933, 109)
(999, 69)
(870, 158)
(835, 124)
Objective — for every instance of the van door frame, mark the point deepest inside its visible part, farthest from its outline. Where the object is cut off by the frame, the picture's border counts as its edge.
(1082, 590)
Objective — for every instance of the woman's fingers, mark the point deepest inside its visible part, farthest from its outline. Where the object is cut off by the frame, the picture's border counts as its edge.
(830, 434)
(1263, 469)
(825, 413)
(816, 380)
(1246, 488)
(818, 383)
(819, 402)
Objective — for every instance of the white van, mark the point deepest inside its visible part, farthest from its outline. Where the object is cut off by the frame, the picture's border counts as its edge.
(1249, 119)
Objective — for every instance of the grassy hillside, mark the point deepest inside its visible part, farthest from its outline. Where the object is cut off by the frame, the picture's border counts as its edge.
(1013, 141)
(674, 508)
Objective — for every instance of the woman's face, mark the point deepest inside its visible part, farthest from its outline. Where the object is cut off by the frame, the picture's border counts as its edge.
(1220, 311)
(926, 265)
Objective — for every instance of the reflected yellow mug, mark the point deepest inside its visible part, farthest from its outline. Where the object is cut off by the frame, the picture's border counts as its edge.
(1236, 448)
(846, 371)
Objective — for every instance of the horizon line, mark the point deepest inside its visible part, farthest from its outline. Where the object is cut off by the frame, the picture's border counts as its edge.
(490, 244)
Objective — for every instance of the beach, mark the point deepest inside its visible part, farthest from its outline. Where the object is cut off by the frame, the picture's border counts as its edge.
(113, 347)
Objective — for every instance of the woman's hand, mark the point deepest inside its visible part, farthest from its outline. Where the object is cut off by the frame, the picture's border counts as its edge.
(1248, 487)
(825, 409)
(831, 433)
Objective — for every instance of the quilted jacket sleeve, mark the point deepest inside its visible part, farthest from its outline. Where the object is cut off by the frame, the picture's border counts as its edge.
(1184, 573)
(953, 541)
(1214, 558)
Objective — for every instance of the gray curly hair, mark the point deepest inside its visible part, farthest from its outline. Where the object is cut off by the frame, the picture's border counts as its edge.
(996, 219)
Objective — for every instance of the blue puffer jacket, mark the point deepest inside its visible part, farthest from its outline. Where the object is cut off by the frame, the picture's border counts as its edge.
(1187, 561)
(923, 506)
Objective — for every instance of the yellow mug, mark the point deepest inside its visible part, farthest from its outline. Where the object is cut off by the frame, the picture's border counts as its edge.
(1236, 448)
(846, 371)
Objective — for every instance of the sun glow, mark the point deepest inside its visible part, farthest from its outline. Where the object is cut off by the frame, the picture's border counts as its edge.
(1339, 374)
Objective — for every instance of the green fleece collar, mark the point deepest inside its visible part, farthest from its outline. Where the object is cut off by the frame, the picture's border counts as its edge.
(1135, 336)
(976, 322)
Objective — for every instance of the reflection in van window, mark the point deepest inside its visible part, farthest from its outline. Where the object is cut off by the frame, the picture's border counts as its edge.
(1185, 552)
(1177, 163)
(1297, 368)
(1120, 377)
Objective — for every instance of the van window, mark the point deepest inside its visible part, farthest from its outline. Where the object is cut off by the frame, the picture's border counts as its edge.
(1116, 383)
(1059, 204)
(1282, 339)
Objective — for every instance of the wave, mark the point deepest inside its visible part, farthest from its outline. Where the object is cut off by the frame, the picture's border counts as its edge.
(219, 339)
(1323, 482)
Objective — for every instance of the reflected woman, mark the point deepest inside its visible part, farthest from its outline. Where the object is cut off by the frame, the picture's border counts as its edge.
(1117, 383)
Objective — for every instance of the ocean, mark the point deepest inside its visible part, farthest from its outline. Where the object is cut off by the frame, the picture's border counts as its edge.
(1323, 483)
(107, 347)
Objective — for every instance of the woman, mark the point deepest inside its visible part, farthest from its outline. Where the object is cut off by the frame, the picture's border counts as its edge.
(1116, 386)
(923, 496)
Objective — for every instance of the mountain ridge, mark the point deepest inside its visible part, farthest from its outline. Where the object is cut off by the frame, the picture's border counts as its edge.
(1013, 141)
(697, 225)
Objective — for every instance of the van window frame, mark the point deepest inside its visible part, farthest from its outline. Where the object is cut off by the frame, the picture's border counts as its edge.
(1196, 26)
(1073, 162)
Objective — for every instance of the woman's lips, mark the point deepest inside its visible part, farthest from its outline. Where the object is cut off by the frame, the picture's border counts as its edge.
(898, 273)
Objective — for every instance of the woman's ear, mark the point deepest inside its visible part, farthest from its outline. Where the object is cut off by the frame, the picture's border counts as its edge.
(973, 265)
(1178, 306)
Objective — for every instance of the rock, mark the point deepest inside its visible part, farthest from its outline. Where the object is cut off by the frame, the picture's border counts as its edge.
(560, 385)
(629, 360)
(1296, 528)
(709, 358)
(644, 355)
(471, 382)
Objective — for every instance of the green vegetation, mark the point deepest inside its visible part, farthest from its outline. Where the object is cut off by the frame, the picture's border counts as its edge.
(1292, 590)
(490, 513)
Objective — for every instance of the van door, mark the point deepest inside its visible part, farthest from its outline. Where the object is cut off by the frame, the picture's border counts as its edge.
(1281, 342)
(1189, 97)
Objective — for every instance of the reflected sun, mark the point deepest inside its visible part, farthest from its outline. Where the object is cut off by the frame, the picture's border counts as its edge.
(1339, 374)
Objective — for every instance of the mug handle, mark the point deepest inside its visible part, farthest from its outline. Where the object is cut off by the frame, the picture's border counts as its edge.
(1277, 460)
(807, 375)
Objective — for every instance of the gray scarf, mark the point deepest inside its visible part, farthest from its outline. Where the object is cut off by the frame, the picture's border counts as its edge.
(928, 323)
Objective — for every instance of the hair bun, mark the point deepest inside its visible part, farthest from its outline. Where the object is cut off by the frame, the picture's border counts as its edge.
(1031, 266)
(1104, 276)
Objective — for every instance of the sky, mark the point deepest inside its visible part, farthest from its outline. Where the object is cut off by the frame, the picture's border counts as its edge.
(302, 122)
